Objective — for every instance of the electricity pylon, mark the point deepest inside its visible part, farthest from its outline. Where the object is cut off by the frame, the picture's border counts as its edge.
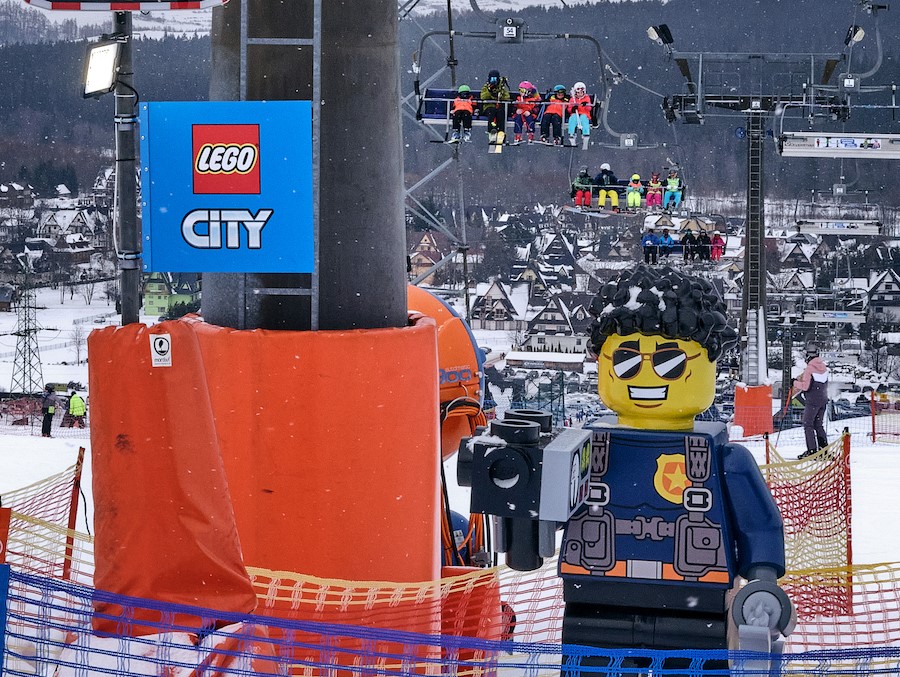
(27, 376)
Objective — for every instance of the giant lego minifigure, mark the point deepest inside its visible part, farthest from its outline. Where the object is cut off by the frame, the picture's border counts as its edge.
(673, 514)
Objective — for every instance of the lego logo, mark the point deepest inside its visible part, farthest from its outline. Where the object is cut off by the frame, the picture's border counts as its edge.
(229, 158)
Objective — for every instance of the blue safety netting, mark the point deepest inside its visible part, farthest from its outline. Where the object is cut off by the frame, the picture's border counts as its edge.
(48, 631)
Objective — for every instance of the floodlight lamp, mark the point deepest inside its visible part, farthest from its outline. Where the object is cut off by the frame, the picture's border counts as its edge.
(854, 34)
(661, 34)
(101, 67)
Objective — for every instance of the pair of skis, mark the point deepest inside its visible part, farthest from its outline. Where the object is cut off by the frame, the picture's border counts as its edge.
(585, 142)
(496, 141)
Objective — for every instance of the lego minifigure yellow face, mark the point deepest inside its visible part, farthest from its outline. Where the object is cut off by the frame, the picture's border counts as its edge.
(653, 382)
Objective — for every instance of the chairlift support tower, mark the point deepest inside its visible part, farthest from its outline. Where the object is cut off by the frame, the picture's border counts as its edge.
(27, 376)
(756, 102)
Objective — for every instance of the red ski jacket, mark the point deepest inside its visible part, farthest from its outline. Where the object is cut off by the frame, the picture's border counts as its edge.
(581, 104)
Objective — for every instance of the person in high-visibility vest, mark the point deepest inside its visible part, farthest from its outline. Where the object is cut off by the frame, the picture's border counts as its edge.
(77, 410)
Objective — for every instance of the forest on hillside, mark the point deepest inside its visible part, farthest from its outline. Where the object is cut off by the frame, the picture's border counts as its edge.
(45, 124)
(44, 121)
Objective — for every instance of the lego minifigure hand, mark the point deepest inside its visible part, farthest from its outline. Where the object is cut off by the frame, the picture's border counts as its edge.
(762, 603)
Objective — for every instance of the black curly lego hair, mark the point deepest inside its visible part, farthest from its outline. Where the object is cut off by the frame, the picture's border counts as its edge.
(665, 302)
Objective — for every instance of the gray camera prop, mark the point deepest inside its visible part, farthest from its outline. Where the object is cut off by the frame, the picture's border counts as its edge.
(529, 476)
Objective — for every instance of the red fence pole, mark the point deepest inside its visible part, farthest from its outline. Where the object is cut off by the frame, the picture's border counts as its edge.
(872, 409)
(73, 516)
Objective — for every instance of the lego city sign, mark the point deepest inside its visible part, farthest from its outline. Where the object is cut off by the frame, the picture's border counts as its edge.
(125, 6)
(227, 187)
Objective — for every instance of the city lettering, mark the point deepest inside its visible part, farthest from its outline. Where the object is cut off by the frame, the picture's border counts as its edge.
(228, 221)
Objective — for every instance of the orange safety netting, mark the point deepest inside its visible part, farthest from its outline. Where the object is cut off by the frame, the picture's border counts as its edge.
(45, 511)
(885, 409)
(839, 604)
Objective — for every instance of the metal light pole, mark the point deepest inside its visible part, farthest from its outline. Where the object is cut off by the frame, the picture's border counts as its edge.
(128, 236)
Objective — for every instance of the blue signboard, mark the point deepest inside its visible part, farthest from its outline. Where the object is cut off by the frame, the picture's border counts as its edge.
(227, 187)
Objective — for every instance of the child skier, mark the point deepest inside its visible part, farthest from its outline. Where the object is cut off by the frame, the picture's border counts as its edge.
(633, 192)
(579, 108)
(718, 246)
(674, 189)
(526, 111)
(581, 188)
(554, 112)
(461, 111)
(654, 191)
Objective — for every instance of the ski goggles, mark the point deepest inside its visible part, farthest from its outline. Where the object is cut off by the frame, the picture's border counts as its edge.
(669, 363)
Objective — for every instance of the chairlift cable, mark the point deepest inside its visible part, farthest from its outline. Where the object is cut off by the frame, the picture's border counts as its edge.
(407, 8)
(481, 13)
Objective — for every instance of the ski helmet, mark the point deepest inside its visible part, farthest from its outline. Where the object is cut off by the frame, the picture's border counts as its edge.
(812, 350)
(527, 86)
(494, 76)
(583, 169)
(559, 88)
(579, 85)
(463, 89)
(605, 166)
(635, 177)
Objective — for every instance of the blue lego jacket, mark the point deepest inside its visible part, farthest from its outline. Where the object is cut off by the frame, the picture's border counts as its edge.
(671, 508)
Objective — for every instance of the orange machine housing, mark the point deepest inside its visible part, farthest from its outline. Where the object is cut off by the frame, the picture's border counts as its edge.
(460, 368)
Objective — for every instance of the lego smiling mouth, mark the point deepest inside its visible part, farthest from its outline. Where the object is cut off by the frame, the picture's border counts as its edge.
(656, 393)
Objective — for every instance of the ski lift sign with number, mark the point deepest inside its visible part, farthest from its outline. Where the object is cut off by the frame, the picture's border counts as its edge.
(120, 6)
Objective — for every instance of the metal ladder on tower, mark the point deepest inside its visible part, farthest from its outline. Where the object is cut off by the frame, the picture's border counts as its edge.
(755, 369)
(287, 300)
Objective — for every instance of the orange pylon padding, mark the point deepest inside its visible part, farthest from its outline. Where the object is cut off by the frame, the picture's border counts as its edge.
(330, 443)
(164, 527)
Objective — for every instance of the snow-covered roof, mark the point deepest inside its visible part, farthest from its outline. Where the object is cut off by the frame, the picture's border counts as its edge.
(569, 358)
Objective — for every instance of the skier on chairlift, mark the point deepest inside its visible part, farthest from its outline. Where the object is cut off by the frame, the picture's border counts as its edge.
(579, 108)
(526, 110)
(494, 98)
(654, 192)
(554, 112)
(674, 190)
(581, 188)
(608, 187)
(461, 112)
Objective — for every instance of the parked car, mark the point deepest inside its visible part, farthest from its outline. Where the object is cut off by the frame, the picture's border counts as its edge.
(841, 409)
(714, 413)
